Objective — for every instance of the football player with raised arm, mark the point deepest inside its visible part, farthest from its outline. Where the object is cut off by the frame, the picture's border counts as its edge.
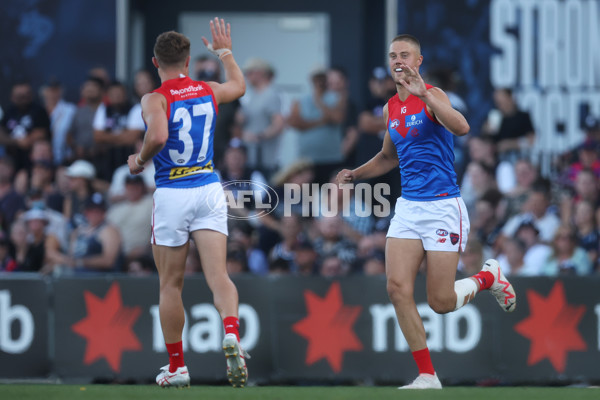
(189, 201)
(430, 218)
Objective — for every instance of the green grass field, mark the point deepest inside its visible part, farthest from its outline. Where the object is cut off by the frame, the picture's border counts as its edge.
(151, 392)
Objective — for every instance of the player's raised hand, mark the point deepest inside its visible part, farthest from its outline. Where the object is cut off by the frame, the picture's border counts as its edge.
(345, 176)
(221, 37)
(412, 81)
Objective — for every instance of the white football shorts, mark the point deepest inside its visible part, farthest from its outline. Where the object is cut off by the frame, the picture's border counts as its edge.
(442, 225)
(179, 211)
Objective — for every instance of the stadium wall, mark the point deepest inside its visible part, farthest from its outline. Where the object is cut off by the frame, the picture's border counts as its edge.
(296, 329)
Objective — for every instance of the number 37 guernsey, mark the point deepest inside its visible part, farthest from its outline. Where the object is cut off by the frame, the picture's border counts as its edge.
(186, 159)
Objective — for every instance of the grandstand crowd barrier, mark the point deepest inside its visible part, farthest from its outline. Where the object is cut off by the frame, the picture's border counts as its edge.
(296, 329)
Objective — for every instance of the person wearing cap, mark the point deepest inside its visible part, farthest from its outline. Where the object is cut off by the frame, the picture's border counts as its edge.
(189, 201)
(95, 246)
(61, 114)
(31, 256)
(261, 117)
(81, 173)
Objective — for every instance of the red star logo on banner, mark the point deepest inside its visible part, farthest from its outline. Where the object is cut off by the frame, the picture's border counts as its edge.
(108, 327)
(552, 327)
(328, 327)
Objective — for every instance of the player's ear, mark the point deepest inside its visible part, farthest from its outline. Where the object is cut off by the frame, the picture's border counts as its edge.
(187, 62)
(155, 62)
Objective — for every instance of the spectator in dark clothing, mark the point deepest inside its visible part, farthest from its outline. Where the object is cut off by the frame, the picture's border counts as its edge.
(511, 128)
(10, 201)
(24, 122)
(117, 127)
(81, 133)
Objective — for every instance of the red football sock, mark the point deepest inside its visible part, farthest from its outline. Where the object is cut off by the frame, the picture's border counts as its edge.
(175, 351)
(232, 325)
(423, 360)
(485, 279)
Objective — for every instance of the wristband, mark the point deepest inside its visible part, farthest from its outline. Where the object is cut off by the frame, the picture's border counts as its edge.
(142, 161)
(218, 52)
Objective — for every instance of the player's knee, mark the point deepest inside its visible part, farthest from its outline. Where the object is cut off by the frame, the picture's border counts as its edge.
(441, 304)
(399, 290)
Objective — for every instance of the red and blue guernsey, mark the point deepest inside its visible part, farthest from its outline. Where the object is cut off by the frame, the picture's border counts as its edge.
(186, 159)
(425, 151)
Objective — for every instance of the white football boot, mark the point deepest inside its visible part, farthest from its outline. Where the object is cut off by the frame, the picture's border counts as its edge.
(501, 288)
(179, 379)
(424, 381)
(237, 372)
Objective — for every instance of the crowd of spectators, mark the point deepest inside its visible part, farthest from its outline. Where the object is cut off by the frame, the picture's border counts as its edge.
(68, 204)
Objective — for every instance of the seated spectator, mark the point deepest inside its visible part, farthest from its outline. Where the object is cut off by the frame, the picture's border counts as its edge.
(486, 224)
(331, 242)
(332, 267)
(95, 246)
(7, 262)
(374, 263)
(132, 218)
(512, 258)
(305, 259)
(236, 170)
(290, 230)
(536, 207)
(279, 267)
(116, 191)
(471, 260)
(587, 159)
(117, 127)
(240, 234)
(478, 179)
(341, 200)
(11, 202)
(23, 123)
(81, 175)
(236, 260)
(526, 175)
(586, 231)
(586, 189)
(536, 253)
(567, 258)
(19, 242)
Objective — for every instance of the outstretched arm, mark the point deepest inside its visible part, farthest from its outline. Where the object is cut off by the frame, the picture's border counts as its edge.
(235, 86)
(437, 101)
(154, 110)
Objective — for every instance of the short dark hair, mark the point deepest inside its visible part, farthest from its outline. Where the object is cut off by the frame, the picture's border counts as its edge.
(171, 49)
(405, 37)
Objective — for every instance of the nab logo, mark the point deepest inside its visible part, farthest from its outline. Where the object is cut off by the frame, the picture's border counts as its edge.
(394, 124)
(403, 110)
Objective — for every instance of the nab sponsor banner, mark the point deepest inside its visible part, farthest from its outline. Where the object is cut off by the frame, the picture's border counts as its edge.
(111, 328)
(300, 329)
(24, 306)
